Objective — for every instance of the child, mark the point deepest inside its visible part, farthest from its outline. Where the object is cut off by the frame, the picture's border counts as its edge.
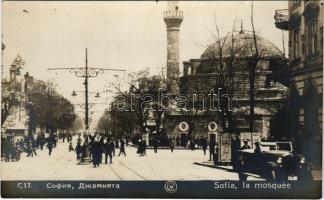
(70, 147)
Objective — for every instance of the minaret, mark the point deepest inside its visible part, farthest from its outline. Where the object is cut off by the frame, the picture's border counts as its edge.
(173, 18)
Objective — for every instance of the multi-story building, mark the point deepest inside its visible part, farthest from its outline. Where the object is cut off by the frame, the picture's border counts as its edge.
(304, 21)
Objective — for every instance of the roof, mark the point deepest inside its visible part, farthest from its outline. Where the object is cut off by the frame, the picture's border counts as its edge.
(241, 45)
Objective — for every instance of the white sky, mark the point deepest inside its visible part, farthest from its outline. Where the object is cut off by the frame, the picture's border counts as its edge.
(128, 35)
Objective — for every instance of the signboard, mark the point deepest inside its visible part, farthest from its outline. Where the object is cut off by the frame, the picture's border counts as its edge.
(246, 136)
(250, 137)
(225, 148)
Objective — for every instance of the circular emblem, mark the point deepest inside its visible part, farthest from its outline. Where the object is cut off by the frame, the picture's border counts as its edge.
(212, 126)
(183, 126)
(170, 187)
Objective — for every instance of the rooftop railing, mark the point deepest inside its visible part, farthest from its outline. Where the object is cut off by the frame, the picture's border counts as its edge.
(173, 14)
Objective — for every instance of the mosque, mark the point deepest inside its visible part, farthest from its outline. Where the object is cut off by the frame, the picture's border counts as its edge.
(225, 64)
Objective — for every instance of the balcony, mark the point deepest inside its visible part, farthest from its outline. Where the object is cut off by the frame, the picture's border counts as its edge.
(281, 19)
(173, 14)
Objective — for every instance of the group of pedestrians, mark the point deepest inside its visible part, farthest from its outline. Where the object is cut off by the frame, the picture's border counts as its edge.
(12, 148)
(97, 146)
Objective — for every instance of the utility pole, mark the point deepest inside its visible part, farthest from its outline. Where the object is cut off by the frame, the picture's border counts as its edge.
(86, 92)
(86, 73)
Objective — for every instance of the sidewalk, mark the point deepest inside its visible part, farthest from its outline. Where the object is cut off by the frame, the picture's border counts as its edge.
(228, 168)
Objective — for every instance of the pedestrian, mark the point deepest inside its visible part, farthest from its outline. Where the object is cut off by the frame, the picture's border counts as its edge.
(204, 145)
(63, 137)
(107, 148)
(79, 140)
(211, 150)
(29, 149)
(278, 171)
(78, 151)
(139, 147)
(257, 149)
(7, 150)
(304, 171)
(13, 152)
(41, 141)
(70, 146)
(235, 146)
(171, 145)
(33, 146)
(155, 145)
(240, 168)
(197, 142)
(144, 147)
(96, 152)
(54, 140)
(18, 152)
(178, 141)
(113, 146)
(122, 147)
(192, 144)
(116, 143)
(127, 140)
(50, 143)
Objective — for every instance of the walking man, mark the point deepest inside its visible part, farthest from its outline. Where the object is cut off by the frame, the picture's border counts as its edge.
(78, 151)
(122, 147)
(171, 145)
(211, 150)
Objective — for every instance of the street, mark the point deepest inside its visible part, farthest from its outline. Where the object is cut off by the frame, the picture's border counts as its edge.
(164, 165)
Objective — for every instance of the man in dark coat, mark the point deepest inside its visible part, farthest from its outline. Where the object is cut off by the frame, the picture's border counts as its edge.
(107, 149)
(41, 141)
(50, 146)
(113, 146)
(278, 171)
(111, 149)
(204, 145)
(155, 145)
(177, 141)
(78, 150)
(122, 147)
(171, 145)
(211, 150)
(304, 171)
(235, 146)
(33, 145)
(96, 152)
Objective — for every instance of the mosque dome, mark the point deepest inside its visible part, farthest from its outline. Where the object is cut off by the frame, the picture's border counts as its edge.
(241, 45)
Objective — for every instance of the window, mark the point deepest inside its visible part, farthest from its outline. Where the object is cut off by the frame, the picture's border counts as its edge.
(311, 37)
(296, 44)
(303, 44)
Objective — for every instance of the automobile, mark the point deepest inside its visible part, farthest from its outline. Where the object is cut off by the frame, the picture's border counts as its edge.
(263, 163)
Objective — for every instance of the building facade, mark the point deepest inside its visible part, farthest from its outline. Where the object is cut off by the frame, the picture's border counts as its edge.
(212, 71)
(304, 21)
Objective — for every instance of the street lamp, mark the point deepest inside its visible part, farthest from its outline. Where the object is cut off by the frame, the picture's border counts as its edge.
(86, 73)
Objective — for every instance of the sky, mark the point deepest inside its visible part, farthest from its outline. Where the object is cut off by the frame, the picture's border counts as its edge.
(122, 35)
